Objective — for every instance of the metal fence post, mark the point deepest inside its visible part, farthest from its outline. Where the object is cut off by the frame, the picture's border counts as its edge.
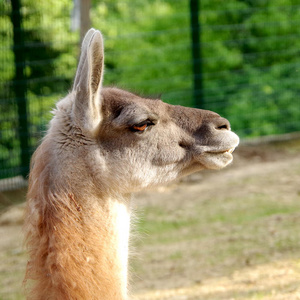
(19, 85)
(85, 22)
(196, 53)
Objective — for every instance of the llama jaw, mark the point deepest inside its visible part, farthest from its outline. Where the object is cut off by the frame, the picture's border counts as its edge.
(216, 160)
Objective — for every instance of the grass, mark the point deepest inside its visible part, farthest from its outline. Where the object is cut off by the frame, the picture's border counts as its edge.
(222, 227)
(11, 275)
(231, 235)
(254, 216)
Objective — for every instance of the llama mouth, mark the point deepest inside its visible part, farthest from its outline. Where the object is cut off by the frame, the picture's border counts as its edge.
(230, 150)
(216, 159)
(222, 151)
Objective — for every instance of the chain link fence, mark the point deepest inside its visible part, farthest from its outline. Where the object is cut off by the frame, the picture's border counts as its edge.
(238, 58)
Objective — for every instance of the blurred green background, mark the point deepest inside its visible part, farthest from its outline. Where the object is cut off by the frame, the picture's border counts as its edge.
(247, 68)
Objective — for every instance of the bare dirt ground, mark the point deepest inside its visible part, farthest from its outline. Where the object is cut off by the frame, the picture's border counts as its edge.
(230, 234)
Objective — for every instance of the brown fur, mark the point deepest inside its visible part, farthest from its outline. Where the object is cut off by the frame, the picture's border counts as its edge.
(65, 242)
(55, 231)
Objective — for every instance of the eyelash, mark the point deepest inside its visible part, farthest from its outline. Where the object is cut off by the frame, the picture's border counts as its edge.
(141, 127)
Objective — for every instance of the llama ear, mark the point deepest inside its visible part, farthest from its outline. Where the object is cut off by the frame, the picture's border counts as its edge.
(83, 55)
(88, 82)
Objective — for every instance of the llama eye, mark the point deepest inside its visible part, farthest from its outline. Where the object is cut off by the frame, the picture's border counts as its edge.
(141, 126)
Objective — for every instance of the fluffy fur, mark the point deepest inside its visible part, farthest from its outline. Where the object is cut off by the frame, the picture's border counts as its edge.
(73, 247)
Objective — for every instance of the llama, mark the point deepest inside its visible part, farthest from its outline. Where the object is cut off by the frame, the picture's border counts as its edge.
(102, 145)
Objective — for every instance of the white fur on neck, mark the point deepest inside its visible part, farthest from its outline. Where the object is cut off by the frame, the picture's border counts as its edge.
(121, 214)
(123, 229)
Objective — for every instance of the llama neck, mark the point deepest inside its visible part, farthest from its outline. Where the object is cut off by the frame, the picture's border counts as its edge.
(119, 226)
(113, 238)
(82, 249)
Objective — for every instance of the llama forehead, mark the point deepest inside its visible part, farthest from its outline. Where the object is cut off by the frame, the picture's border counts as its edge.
(116, 100)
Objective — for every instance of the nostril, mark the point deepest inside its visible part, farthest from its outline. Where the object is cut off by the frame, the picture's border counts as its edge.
(225, 126)
(222, 124)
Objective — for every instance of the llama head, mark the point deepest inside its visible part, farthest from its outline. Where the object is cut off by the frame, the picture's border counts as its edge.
(123, 142)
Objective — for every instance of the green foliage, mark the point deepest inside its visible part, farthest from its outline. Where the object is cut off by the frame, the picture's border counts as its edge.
(249, 49)
(49, 65)
(250, 64)
(147, 46)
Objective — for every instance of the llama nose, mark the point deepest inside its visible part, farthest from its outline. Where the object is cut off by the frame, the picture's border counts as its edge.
(220, 124)
(213, 125)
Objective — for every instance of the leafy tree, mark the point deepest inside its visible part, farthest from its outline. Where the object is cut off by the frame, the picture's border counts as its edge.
(249, 48)
(46, 72)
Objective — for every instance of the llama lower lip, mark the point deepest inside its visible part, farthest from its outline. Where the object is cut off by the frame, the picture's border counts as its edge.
(229, 151)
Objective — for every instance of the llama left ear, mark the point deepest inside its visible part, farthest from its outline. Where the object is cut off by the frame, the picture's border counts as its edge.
(88, 82)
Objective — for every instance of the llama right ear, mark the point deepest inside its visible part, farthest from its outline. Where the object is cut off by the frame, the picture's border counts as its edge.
(88, 82)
